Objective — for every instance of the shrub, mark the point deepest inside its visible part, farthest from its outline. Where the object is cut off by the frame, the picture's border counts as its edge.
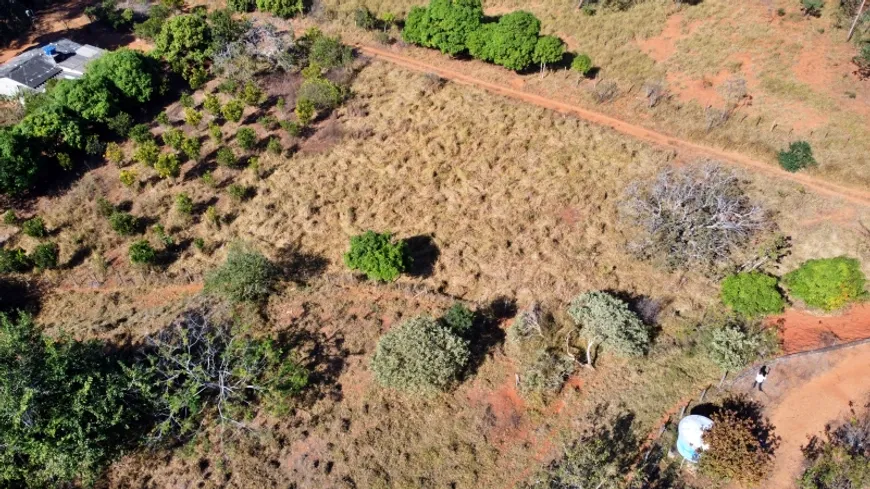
(192, 117)
(19, 163)
(93, 146)
(162, 119)
(212, 104)
(140, 133)
(293, 129)
(192, 148)
(364, 18)
(14, 260)
(104, 207)
(444, 24)
(124, 224)
(184, 204)
(142, 253)
(120, 123)
(252, 95)
(35, 228)
(329, 52)
(246, 276)
(691, 217)
(607, 320)
(812, 7)
(184, 40)
(173, 138)
(226, 157)
(203, 363)
(752, 294)
(233, 110)
(66, 409)
(281, 8)
(510, 42)
(798, 156)
(215, 133)
(582, 64)
(246, 137)
(241, 6)
(420, 356)
(377, 256)
(44, 256)
(186, 100)
(114, 154)
(304, 112)
(128, 177)
(828, 283)
(274, 146)
(239, 193)
(545, 373)
(840, 459)
(733, 344)
(321, 92)
(10, 218)
(168, 166)
(548, 50)
(147, 153)
(458, 319)
(741, 448)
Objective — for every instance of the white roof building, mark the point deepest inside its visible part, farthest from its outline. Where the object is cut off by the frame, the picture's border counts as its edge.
(30, 70)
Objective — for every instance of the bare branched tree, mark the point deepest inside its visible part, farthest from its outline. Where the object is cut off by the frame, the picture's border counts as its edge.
(654, 93)
(694, 216)
(262, 47)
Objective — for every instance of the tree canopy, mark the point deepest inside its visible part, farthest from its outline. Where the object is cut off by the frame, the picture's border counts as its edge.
(444, 24)
(131, 72)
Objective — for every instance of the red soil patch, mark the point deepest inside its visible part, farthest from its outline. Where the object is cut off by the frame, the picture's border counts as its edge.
(803, 331)
(505, 412)
(661, 47)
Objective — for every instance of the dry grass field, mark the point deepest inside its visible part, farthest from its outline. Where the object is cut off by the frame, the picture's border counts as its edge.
(501, 202)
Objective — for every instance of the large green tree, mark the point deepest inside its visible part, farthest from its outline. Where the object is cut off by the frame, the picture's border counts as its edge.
(444, 24)
(607, 320)
(548, 50)
(512, 42)
(19, 164)
(184, 38)
(55, 125)
(281, 8)
(91, 97)
(131, 72)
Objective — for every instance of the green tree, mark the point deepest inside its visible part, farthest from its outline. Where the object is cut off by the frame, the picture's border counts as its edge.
(732, 344)
(304, 111)
(44, 256)
(192, 148)
(752, 294)
(241, 6)
(55, 125)
(19, 165)
(376, 255)
(245, 276)
(139, 133)
(212, 104)
(142, 253)
(798, 156)
(35, 228)
(168, 165)
(420, 356)
(184, 39)
(91, 97)
(124, 223)
(226, 157)
(14, 261)
(233, 110)
(828, 283)
(607, 320)
(281, 8)
(459, 319)
(582, 64)
(147, 153)
(192, 117)
(511, 42)
(246, 137)
(548, 50)
(321, 92)
(173, 138)
(329, 52)
(131, 72)
(444, 24)
(184, 204)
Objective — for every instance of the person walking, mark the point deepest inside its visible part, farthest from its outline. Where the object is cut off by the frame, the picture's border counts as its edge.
(760, 377)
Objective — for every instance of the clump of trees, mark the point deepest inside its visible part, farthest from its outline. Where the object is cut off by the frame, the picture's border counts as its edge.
(457, 26)
(606, 320)
(732, 342)
(378, 256)
(752, 294)
(421, 356)
(840, 458)
(697, 216)
(827, 284)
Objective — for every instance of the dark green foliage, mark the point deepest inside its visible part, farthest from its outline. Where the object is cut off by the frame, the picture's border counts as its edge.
(130, 72)
(55, 125)
(225, 29)
(120, 124)
(184, 204)
(233, 110)
(10, 218)
(104, 207)
(238, 192)
(812, 7)
(241, 6)
(246, 137)
(252, 94)
(322, 93)
(108, 12)
(14, 260)
(173, 138)
(212, 104)
(329, 52)
(124, 223)
(93, 146)
(606, 319)
(44, 256)
(293, 129)
(281, 8)
(184, 40)
(65, 411)
(142, 253)
(548, 50)
(827, 284)
(364, 18)
(14, 20)
(192, 148)
(186, 100)
(444, 24)
(510, 42)
(245, 276)
(91, 97)
(798, 156)
(459, 319)
(376, 255)
(19, 164)
(35, 228)
(420, 357)
(168, 165)
(150, 28)
(226, 157)
(752, 294)
(141, 133)
(582, 64)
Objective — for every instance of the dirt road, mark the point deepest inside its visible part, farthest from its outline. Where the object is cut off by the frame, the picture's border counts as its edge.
(853, 195)
(805, 410)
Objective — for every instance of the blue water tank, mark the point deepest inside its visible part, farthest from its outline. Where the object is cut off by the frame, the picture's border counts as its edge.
(49, 50)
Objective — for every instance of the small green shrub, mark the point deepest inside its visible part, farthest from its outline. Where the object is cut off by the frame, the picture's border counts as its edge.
(329, 52)
(192, 117)
(293, 129)
(35, 228)
(238, 192)
(364, 18)
(140, 133)
(124, 223)
(377, 256)
(321, 92)
(142, 253)
(752, 294)
(420, 357)
(582, 64)
(128, 177)
(246, 276)
(192, 148)
(215, 133)
(147, 153)
(9, 218)
(798, 157)
(187, 101)
(233, 110)
(44, 256)
(812, 7)
(246, 138)
(274, 146)
(827, 284)
(212, 104)
(173, 138)
(184, 204)
(104, 207)
(459, 319)
(114, 154)
(120, 124)
(732, 344)
(546, 373)
(168, 165)
(64, 160)
(252, 95)
(304, 112)
(241, 6)
(14, 261)
(163, 119)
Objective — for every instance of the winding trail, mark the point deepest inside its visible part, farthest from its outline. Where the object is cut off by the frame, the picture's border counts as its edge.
(853, 195)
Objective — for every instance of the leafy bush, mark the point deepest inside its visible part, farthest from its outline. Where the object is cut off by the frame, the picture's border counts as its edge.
(233, 110)
(841, 458)
(419, 356)
(733, 344)
(827, 284)
(812, 7)
(66, 408)
(741, 447)
(444, 24)
(510, 42)
(459, 319)
(104, 207)
(140, 133)
(329, 52)
(696, 216)
(192, 117)
(238, 192)
(147, 153)
(752, 294)
(244, 276)
(184, 204)
(124, 224)
(10, 218)
(281, 8)
(246, 137)
(548, 50)
(321, 92)
(364, 18)
(142, 253)
(132, 73)
(128, 177)
(14, 261)
(377, 256)
(19, 164)
(184, 40)
(241, 6)
(212, 104)
(274, 146)
(304, 112)
(173, 138)
(215, 133)
(44, 256)
(192, 148)
(252, 95)
(35, 228)
(546, 373)
(607, 320)
(798, 156)
(168, 165)
(186, 100)
(114, 154)
(226, 157)
(120, 123)
(582, 64)
(203, 363)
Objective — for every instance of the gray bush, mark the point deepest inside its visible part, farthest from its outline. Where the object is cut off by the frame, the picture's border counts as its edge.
(607, 320)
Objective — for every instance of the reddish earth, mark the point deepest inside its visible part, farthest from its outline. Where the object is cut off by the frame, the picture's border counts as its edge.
(854, 195)
(803, 331)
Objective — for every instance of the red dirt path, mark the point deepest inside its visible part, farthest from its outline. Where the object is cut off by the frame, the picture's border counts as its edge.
(803, 331)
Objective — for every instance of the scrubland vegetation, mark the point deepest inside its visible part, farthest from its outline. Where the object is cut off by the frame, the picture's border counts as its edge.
(405, 283)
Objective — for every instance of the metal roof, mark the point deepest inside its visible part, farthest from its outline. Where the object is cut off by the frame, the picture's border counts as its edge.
(34, 72)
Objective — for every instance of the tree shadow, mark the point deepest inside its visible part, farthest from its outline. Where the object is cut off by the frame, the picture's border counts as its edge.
(19, 295)
(78, 257)
(647, 308)
(423, 253)
(298, 266)
(486, 334)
